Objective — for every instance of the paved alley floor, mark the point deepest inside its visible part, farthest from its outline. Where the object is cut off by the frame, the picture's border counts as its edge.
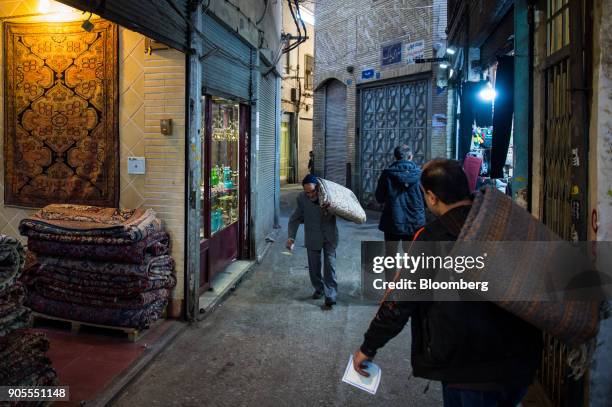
(269, 344)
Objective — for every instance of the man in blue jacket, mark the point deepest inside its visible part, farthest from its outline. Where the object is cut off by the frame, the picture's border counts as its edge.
(398, 190)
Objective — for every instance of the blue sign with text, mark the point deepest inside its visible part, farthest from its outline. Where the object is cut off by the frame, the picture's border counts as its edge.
(391, 54)
(367, 74)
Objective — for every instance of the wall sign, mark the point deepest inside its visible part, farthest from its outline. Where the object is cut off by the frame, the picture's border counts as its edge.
(415, 50)
(391, 54)
(367, 74)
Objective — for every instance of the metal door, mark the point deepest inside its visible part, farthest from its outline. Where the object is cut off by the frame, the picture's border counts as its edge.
(267, 165)
(335, 132)
(227, 62)
(565, 185)
(391, 115)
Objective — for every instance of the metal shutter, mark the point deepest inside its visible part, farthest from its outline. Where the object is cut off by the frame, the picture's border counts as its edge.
(335, 132)
(154, 18)
(267, 169)
(227, 61)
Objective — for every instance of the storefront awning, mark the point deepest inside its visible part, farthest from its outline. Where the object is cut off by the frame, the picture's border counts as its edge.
(162, 20)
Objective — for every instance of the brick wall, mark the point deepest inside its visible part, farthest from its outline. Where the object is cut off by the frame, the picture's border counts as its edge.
(351, 34)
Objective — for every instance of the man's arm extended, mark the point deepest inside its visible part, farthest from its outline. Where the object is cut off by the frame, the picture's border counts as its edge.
(388, 323)
(296, 219)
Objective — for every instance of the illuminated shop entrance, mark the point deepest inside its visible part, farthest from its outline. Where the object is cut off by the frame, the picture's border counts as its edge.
(223, 186)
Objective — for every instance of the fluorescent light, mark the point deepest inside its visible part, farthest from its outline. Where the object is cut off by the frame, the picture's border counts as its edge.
(444, 65)
(306, 16)
(487, 93)
(450, 51)
(451, 73)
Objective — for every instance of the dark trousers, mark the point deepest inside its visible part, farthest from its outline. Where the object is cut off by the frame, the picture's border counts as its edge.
(327, 283)
(454, 397)
(392, 247)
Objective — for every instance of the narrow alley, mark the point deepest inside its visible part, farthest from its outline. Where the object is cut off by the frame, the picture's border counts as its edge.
(270, 202)
(270, 344)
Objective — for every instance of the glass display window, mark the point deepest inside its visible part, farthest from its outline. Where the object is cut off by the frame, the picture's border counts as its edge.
(222, 154)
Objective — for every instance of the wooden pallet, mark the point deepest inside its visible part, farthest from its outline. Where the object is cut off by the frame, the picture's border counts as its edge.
(133, 334)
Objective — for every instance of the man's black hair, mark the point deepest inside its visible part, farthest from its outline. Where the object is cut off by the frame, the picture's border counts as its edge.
(446, 179)
(402, 152)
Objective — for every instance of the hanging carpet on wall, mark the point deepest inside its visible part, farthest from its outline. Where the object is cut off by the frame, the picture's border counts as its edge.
(61, 139)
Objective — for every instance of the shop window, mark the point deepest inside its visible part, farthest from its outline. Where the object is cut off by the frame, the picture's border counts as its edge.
(557, 25)
(224, 164)
(308, 72)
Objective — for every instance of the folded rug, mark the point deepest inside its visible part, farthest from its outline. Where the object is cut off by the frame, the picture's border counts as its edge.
(135, 301)
(12, 299)
(22, 369)
(12, 258)
(137, 318)
(21, 317)
(82, 221)
(23, 361)
(47, 376)
(494, 217)
(156, 244)
(17, 339)
(340, 201)
(104, 288)
(150, 266)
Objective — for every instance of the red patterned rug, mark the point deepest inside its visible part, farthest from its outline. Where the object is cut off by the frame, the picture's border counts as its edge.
(61, 101)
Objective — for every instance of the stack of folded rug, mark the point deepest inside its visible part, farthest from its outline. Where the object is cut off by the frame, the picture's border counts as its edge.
(22, 353)
(103, 266)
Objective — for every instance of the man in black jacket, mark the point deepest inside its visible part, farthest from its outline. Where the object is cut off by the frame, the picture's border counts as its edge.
(398, 190)
(483, 355)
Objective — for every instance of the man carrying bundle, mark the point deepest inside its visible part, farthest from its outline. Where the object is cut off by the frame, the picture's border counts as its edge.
(320, 234)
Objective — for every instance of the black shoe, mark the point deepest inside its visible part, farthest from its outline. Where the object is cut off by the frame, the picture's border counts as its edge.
(316, 295)
(329, 302)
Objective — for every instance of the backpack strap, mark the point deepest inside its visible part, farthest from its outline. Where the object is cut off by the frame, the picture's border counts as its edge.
(397, 273)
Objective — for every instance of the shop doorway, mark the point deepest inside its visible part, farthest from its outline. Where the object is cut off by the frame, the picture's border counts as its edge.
(223, 232)
(287, 149)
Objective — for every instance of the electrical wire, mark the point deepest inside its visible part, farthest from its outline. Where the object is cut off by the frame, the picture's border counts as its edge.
(297, 7)
(301, 38)
(238, 9)
(260, 19)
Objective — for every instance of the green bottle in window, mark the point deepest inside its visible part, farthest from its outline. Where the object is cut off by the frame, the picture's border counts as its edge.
(214, 178)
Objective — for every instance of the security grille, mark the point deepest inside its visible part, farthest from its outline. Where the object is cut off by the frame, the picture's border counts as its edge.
(564, 53)
(391, 115)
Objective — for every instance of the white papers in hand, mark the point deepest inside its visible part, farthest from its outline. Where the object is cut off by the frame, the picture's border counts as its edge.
(369, 384)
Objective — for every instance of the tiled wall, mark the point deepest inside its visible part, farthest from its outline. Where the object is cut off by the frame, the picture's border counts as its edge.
(152, 87)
